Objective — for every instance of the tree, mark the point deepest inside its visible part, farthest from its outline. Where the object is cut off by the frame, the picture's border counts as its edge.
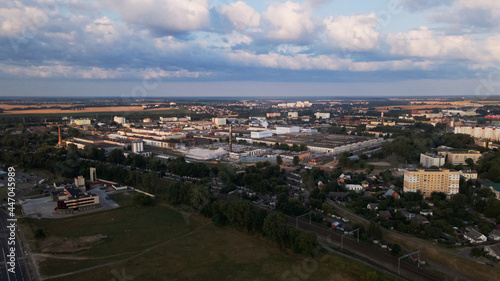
(143, 200)
(116, 156)
(279, 160)
(373, 276)
(470, 163)
(150, 182)
(296, 160)
(39, 234)
(374, 231)
(276, 228)
(396, 250)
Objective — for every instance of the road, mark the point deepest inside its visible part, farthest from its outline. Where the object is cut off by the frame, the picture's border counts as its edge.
(21, 264)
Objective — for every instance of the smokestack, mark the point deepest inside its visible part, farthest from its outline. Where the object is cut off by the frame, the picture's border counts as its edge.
(230, 138)
(60, 139)
(382, 115)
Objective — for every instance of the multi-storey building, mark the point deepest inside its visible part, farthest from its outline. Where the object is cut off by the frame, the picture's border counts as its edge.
(428, 181)
(429, 159)
(459, 157)
(72, 199)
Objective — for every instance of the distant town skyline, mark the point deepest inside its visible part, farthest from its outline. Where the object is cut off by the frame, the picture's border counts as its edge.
(249, 48)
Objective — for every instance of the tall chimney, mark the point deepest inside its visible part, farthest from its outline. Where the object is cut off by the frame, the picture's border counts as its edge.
(382, 115)
(60, 139)
(230, 138)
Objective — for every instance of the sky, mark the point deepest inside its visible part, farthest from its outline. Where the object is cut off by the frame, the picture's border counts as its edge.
(150, 48)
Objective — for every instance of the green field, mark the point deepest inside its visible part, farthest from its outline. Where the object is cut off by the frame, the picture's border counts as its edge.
(161, 243)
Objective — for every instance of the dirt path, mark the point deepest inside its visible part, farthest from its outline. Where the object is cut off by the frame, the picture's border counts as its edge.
(126, 259)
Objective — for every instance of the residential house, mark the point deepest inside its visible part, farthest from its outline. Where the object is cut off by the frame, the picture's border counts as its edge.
(391, 193)
(421, 219)
(494, 235)
(385, 214)
(373, 206)
(407, 215)
(426, 212)
(354, 187)
(495, 187)
(493, 250)
(474, 236)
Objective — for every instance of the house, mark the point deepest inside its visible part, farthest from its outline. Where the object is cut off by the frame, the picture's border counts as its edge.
(385, 214)
(474, 236)
(354, 187)
(495, 187)
(421, 219)
(426, 212)
(391, 193)
(372, 206)
(494, 235)
(407, 215)
(365, 184)
(343, 178)
(493, 250)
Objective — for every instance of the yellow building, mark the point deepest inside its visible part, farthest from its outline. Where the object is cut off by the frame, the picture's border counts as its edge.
(428, 181)
(458, 157)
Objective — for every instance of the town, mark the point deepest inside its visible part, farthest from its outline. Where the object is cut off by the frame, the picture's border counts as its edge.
(382, 172)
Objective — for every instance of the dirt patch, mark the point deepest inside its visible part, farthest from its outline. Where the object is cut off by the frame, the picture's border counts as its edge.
(71, 245)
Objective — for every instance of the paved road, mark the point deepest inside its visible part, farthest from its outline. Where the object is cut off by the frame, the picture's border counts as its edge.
(21, 269)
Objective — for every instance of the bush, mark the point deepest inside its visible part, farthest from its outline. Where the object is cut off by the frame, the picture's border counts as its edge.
(143, 200)
(39, 234)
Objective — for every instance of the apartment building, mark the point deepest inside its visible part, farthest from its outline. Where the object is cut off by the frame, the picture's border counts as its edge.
(429, 159)
(459, 157)
(428, 181)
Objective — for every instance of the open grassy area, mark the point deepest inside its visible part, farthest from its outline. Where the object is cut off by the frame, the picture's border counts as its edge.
(152, 243)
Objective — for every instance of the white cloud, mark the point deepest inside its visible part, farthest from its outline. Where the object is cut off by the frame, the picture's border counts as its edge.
(21, 19)
(165, 16)
(103, 30)
(321, 62)
(353, 33)
(169, 43)
(288, 21)
(493, 46)
(241, 15)
(423, 42)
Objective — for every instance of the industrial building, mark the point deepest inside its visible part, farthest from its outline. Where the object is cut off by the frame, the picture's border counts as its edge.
(72, 199)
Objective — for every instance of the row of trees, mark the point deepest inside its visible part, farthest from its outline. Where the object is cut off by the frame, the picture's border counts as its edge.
(243, 215)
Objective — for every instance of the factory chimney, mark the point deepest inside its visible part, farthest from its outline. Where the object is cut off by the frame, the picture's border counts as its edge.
(230, 138)
(60, 139)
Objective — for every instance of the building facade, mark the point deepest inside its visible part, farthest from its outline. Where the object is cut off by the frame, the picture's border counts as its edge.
(428, 160)
(459, 157)
(72, 199)
(427, 181)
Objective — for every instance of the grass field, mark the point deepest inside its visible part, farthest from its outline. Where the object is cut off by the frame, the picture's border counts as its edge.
(160, 243)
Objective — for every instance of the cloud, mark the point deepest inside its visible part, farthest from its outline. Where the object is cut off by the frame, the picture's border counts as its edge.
(164, 16)
(288, 21)
(241, 15)
(420, 5)
(21, 19)
(357, 32)
(492, 46)
(471, 16)
(103, 30)
(424, 42)
(57, 70)
(322, 62)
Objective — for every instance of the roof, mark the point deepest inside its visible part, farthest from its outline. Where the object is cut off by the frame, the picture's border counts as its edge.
(492, 185)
